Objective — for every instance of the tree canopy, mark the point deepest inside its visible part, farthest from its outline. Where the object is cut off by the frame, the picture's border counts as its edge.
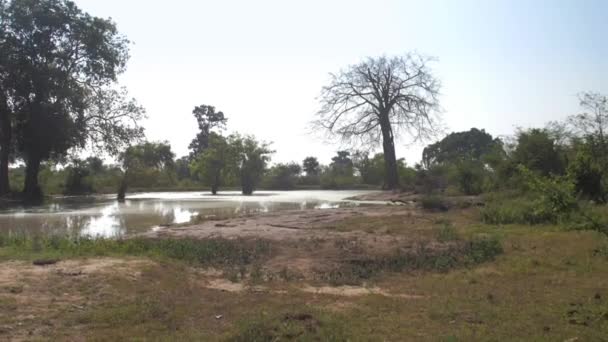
(471, 145)
(60, 70)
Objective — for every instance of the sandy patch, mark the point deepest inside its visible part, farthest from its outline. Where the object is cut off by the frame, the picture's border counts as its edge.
(354, 291)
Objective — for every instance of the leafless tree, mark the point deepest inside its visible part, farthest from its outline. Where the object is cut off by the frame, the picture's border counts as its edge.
(380, 99)
(593, 122)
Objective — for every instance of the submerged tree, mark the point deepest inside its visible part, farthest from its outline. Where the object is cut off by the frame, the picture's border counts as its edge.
(378, 100)
(250, 158)
(211, 164)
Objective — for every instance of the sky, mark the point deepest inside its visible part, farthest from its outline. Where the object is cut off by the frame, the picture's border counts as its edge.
(502, 64)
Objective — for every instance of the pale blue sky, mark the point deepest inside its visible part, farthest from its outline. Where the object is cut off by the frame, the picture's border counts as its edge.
(503, 64)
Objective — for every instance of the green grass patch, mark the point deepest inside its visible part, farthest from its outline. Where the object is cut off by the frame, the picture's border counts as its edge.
(215, 251)
(423, 258)
(300, 325)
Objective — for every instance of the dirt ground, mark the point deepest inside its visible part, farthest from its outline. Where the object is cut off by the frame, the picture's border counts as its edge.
(548, 285)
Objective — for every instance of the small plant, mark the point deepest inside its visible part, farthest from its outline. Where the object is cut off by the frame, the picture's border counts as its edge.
(447, 233)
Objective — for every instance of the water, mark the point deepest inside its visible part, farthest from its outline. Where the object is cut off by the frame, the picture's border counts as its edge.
(103, 216)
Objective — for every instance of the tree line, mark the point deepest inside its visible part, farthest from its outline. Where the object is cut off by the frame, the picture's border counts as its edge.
(59, 95)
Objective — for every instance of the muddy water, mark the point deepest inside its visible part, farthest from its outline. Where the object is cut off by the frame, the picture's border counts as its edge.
(103, 216)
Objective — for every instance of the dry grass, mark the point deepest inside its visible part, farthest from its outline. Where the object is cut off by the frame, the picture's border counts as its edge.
(548, 285)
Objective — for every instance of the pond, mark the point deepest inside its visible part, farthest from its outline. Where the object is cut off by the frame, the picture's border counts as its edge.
(103, 216)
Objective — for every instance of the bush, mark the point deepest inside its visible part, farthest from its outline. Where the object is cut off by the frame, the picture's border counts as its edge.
(434, 203)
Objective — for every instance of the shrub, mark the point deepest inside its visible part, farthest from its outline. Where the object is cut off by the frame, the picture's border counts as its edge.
(434, 203)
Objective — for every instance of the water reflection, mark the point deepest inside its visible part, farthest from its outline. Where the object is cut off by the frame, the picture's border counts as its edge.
(102, 216)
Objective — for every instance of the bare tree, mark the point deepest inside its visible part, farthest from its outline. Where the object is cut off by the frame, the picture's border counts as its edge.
(382, 98)
(593, 122)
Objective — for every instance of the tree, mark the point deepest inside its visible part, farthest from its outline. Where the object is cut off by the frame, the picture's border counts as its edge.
(371, 169)
(593, 122)
(342, 164)
(284, 176)
(250, 160)
(379, 99)
(471, 145)
(139, 161)
(208, 120)
(211, 164)
(6, 94)
(61, 69)
(182, 168)
(537, 151)
(311, 166)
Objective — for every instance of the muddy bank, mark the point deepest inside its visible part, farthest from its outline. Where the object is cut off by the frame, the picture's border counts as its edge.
(290, 225)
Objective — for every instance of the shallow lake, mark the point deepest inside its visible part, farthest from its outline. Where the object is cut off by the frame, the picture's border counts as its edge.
(103, 216)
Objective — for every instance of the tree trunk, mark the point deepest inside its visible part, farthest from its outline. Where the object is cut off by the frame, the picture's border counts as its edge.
(122, 190)
(216, 184)
(31, 188)
(5, 145)
(390, 158)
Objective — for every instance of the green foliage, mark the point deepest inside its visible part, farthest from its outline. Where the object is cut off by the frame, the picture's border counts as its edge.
(537, 150)
(283, 176)
(311, 166)
(208, 120)
(457, 147)
(453, 255)
(555, 195)
(434, 203)
(301, 325)
(211, 165)
(589, 173)
(61, 90)
(78, 179)
(205, 252)
(548, 200)
(340, 173)
(250, 160)
(372, 170)
(471, 177)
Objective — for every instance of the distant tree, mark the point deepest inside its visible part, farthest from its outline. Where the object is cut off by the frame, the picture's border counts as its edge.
(7, 50)
(589, 166)
(182, 168)
(77, 182)
(250, 160)
(208, 120)
(94, 164)
(311, 166)
(139, 158)
(212, 164)
(62, 64)
(537, 151)
(284, 176)
(371, 169)
(342, 164)
(593, 122)
(379, 99)
(471, 145)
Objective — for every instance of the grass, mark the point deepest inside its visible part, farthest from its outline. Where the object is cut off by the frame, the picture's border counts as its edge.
(548, 284)
(207, 252)
(422, 258)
